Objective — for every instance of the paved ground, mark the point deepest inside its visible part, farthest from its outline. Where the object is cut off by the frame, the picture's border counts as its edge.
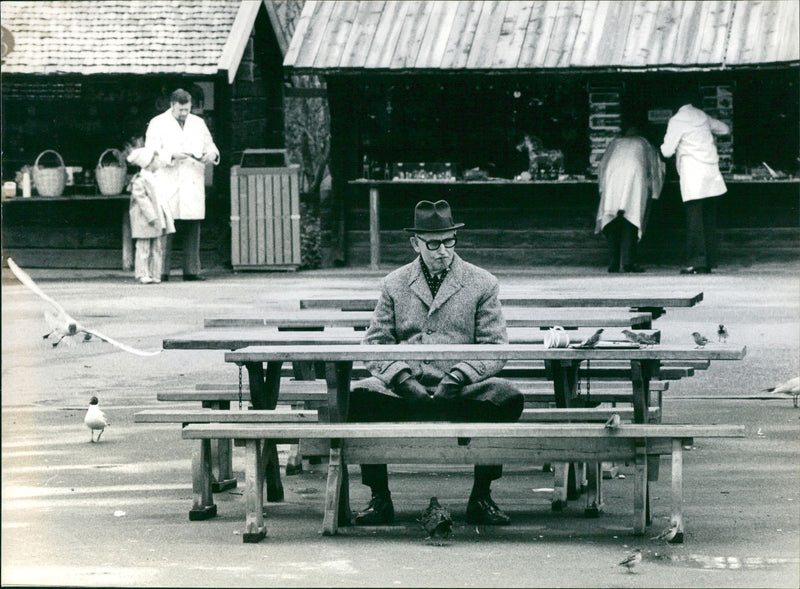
(115, 513)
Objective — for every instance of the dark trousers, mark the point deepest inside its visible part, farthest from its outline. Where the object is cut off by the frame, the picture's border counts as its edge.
(701, 232)
(621, 236)
(189, 232)
(492, 400)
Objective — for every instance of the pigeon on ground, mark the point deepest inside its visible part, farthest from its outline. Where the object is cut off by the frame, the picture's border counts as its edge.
(436, 520)
(61, 323)
(592, 340)
(791, 388)
(667, 533)
(613, 421)
(699, 339)
(633, 559)
(95, 419)
(722, 333)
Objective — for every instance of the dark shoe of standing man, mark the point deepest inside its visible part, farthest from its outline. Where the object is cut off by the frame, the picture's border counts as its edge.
(193, 277)
(484, 511)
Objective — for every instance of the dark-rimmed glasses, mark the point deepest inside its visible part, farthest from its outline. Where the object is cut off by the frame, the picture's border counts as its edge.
(435, 244)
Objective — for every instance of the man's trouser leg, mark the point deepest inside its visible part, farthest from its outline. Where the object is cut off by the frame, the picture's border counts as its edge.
(191, 247)
(695, 234)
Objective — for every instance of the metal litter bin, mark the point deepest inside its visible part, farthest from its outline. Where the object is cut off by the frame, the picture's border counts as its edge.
(265, 211)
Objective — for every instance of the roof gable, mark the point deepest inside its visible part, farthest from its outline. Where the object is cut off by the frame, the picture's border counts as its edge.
(118, 36)
(524, 35)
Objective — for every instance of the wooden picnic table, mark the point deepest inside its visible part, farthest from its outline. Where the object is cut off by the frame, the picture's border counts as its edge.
(515, 317)
(655, 305)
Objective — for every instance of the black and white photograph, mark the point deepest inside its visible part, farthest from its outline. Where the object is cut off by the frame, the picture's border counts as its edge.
(403, 293)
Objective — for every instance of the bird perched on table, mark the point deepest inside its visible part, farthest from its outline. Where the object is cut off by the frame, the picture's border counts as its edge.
(436, 520)
(613, 421)
(633, 559)
(669, 533)
(61, 323)
(592, 340)
(644, 339)
(699, 339)
(95, 419)
(722, 333)
(790, 388)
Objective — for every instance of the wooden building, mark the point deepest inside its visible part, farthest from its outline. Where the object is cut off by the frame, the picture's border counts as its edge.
(84, 76)
(462, 83)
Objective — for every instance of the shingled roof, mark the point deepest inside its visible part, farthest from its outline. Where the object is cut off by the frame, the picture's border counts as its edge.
(198, 37)
(439, 36)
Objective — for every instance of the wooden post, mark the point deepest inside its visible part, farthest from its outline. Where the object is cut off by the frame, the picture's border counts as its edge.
(254, 528)
(330, 520)
(374, 228)
(640, 495)
(594, 495)
(677, 490)
(203, 500)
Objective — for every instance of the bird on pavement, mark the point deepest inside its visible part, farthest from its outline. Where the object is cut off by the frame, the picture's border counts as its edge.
(613, 421)
(436, 520)
(722, 333)
(95, 419)
(61, 323)
(667, 533)
(592, 340)
(633, 559)
(790, 388)
(699, 339)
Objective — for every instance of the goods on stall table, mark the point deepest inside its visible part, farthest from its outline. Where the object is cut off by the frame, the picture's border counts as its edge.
(111, 176)
(49, 181)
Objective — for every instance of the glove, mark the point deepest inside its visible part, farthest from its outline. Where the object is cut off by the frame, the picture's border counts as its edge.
(413, 392)
(450, 386)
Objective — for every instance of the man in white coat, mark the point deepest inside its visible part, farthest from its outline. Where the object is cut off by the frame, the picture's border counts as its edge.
(690, 137)
(629, 175)
(184, 146)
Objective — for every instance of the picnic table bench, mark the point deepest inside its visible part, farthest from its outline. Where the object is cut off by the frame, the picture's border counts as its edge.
(655, 305)
(459, 443)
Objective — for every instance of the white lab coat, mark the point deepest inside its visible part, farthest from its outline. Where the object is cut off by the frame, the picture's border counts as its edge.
(181, 182)
(690, 136)
(630, 173)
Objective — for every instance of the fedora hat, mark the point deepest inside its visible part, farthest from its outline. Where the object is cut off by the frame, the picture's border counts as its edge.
(433, 216)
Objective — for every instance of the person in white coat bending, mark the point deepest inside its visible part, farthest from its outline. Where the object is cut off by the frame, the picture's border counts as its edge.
(184, 146)
(690, 137)
(629, 175)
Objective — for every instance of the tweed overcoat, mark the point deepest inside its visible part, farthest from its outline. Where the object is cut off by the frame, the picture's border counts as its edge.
(466, 310)
(146, 206)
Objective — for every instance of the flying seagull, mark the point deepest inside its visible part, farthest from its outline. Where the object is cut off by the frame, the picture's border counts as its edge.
(62, 324)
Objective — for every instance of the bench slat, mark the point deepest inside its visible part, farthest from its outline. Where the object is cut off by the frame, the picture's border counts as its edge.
(214, 416)
(450, 430)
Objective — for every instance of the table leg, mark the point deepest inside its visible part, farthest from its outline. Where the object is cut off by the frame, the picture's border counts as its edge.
(337, 496)
(640, 491)
(254, 528)
(203, 500)
(677, 491)
(337, 377)
(594, 495)
(127, 242)
(221, 455)
(264, 390)
(374, 228)
(565, 382)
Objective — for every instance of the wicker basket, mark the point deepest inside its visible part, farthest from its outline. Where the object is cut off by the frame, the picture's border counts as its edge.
(111, 177)
(49, 181)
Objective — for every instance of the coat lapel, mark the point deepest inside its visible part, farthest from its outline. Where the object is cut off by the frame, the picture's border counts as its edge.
(453, 282)
(418, 285)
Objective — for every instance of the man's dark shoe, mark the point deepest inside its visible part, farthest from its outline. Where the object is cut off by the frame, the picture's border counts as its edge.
(485, 512)
(165, 278)
(696, 270)
(633, 268)
(193, 277)
(379, 512)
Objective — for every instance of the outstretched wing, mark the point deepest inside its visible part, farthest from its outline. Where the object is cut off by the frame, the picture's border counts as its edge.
(25, 279)
(120, 345)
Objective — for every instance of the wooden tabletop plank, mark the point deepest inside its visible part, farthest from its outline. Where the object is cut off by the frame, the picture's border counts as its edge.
(346, 353)
(237, 338)
(224, 416)
(515, 317)
(368, 301)
(462, 430)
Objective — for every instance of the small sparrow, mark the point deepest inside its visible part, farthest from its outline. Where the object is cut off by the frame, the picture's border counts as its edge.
(667, 533)
(95, 419)
(436, 520)
(613, 421)
(722, 333)
(643, 339)
(790, 388)
(630, 336)
(699, 339)
(631, 560)
(592, 340)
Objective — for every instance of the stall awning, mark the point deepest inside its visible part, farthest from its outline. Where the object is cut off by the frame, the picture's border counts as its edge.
(442, 36)
(196, 37)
